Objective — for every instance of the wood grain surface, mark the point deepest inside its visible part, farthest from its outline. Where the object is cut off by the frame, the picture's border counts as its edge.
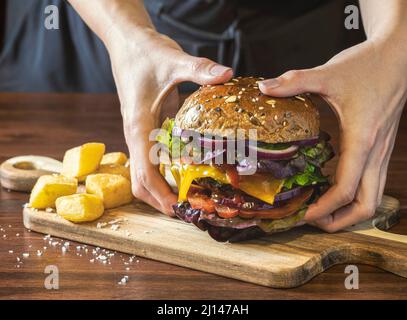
(283, 260)
(48, 124)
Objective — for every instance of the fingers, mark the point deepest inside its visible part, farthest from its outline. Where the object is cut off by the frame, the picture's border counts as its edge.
(201, 70)
(147, 183)
(389, 145)
(349, 170)
(295, 82)
(370, 189)
(152, 188)
(362, 208)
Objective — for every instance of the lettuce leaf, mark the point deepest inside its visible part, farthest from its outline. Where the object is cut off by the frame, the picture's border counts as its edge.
(165, 135)
(311, 175)
(318, 154)
(174, 144)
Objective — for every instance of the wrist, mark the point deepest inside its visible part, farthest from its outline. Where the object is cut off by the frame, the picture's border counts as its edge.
(119, 34)
(392, 48)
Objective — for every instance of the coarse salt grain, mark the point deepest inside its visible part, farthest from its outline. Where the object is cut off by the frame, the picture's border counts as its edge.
(114, 227)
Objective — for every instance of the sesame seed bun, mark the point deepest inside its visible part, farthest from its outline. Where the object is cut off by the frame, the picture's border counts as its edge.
(239, 104)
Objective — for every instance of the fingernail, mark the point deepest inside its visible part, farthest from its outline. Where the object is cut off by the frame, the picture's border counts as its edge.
(270, 83)
(218, 70)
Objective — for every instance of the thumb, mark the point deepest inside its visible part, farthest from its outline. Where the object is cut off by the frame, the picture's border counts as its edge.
(201, 70)
(294, 82)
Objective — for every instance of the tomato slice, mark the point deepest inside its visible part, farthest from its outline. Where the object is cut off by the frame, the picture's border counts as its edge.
(226, 212)
(232, 175)
(291, 207)
(202, 202)
(237, 199)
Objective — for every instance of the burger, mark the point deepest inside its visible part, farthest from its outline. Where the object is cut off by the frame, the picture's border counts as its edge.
(259, 162)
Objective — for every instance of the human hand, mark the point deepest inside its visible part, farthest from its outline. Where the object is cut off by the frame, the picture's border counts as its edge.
(147, 66)
(367, 88)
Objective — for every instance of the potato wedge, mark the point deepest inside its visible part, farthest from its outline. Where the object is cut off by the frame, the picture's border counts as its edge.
(83, 160)
(50, 187)
(115, 169)
(119, 158)
(80, 207)
(113, 189)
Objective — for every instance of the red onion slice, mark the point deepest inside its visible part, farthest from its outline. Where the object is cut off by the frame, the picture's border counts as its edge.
(210, 143)
(307, 142)
(275, 154)
(286, 195)
(210, 155)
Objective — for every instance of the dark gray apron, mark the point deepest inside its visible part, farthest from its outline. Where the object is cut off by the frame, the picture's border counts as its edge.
(262, 38)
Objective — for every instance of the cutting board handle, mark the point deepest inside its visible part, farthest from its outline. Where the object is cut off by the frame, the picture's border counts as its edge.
(21, 173)
(386, 216)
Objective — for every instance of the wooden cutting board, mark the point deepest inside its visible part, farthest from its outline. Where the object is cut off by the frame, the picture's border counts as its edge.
(282, 260)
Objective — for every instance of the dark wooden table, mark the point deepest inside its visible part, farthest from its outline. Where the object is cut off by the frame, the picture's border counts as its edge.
(48, 124)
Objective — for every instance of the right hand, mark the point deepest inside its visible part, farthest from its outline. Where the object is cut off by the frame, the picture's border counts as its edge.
(147, 66)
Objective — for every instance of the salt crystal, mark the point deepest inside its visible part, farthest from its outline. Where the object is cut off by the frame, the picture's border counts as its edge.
(124, 280)
(26, 255)
(100, 225)
(118, 220)
(102, 257)
(114, 227)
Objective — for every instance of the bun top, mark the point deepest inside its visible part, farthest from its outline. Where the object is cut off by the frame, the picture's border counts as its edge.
(239, 104)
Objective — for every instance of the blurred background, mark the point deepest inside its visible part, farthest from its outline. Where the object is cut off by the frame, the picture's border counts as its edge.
(260, 38)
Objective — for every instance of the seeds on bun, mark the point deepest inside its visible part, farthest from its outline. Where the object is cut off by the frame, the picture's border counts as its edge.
(239, 104)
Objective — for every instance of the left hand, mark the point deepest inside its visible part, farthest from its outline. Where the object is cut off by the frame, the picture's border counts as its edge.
(366, 85)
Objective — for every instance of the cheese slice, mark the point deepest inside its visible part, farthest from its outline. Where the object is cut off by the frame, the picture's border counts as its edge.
(188, 173)
(263, 187)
